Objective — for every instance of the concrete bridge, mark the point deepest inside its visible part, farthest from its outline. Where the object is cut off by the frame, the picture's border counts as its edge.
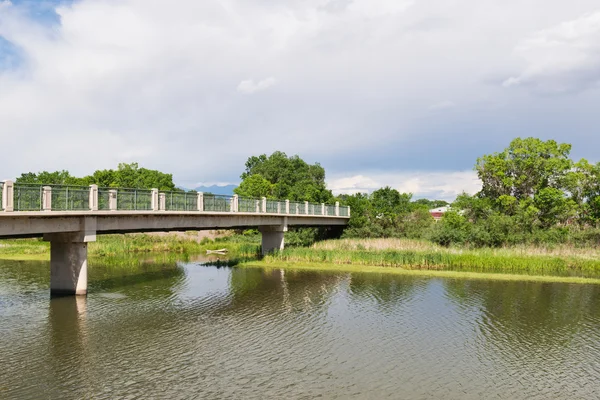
(69, 217)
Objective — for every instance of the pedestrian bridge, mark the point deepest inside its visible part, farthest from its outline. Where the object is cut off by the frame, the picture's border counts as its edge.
(71, 216)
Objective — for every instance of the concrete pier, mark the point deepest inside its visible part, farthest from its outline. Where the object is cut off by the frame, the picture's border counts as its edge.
(68, 268)
(272, 238)
(68, 260)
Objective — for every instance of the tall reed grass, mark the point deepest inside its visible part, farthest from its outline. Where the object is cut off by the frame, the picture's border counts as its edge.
(410, 254)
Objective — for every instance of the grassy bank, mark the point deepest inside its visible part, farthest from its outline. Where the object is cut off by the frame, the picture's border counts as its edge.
(118, 245)
(305, 266)
(424, 256)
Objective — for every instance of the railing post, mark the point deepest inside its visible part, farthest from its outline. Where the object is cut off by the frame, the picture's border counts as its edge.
(257, 205)
(200, 201)
(46, 198)
(112, 200)
(234, 203)
(93, 200)
(323, 209)
(287, 206)
(278, 207)
(162, 201)
(337, 208)
(306, 207)
(154, 199)
(264, 204)
(8, 193)
(348, 211)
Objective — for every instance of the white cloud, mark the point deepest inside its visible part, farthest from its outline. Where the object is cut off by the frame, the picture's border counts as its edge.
(561, 59)
(155, 81)
(249, 86)
(439, 185)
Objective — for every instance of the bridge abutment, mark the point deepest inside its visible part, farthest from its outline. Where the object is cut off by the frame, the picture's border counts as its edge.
(272, 238)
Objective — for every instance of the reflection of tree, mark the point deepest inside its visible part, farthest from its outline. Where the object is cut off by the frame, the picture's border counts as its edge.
(292, 289)
(141, 278)
(529, 318)
(387, 290)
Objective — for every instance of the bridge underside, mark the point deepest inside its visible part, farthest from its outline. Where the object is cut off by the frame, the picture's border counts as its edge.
(69, 233)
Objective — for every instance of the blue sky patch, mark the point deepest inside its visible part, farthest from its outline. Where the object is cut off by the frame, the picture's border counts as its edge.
(10, 55)
(43, 11)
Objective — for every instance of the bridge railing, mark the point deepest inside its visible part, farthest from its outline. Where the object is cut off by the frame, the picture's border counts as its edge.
(31, 197)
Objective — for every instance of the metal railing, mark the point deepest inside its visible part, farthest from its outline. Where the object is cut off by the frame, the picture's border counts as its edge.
(247, 204)
(181, 201)
(217, 202)
(30, 197)
(104, 198)
(67, 197)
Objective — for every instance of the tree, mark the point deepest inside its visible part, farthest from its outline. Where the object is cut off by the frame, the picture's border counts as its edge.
(255, 186)
(524, 168)
(289, 178)
(126, 176)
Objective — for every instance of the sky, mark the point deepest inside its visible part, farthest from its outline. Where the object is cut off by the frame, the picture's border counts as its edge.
(405, 93)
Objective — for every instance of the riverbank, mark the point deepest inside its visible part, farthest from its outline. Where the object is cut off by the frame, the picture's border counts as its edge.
(408, 255)
(118, 245)
(326, 267)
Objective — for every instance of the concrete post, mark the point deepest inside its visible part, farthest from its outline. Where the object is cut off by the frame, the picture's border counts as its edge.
(306, 207)
(68, 259)
(323, 209)
(337, 208)
(162, 201)
(112, 200)
(264, 204)
(287, 206)
(46, 198)
(272, 238)
(8, 196)
(257, 206)
(200, 201)
(278, 207)
(93, 201)
(154, 200)
(234, 203)
(348, 211)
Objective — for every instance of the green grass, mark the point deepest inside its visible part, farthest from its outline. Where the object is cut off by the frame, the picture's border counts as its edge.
(119, 245)
(410, 255)
(415, 272)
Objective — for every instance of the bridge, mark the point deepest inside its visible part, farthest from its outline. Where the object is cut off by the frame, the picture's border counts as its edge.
(69, 217)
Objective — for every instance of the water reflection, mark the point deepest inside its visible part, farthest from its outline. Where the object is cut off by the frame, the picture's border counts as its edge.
(159, 328)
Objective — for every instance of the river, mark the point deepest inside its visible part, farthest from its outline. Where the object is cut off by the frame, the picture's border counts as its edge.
(182, 330)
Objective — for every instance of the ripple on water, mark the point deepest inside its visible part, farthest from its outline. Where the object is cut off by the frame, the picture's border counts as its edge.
(202, 332)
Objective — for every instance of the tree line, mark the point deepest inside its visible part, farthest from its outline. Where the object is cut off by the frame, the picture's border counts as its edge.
(532, 192)
(125, 176)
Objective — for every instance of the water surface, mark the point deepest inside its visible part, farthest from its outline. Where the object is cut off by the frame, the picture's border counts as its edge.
(161, 329)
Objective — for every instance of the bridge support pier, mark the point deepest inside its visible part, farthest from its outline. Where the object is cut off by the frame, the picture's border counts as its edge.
(272, 237)
(68, 261)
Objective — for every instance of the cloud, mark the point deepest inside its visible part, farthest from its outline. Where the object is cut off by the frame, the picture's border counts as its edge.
(562, 59)
(249, 86)
(444, 105)
(434, 185)
(348, 83)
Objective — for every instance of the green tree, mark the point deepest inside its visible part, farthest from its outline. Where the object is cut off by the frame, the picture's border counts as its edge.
(524, 168)
(290, 178)
(125, 176)
(255, 186)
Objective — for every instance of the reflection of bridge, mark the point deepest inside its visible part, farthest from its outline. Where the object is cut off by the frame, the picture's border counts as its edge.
(71, 216)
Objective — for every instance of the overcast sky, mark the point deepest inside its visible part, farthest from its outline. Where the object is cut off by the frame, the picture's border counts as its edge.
(406, 93)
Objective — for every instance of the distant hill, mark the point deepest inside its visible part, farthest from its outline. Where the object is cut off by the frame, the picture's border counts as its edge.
(226, 190)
